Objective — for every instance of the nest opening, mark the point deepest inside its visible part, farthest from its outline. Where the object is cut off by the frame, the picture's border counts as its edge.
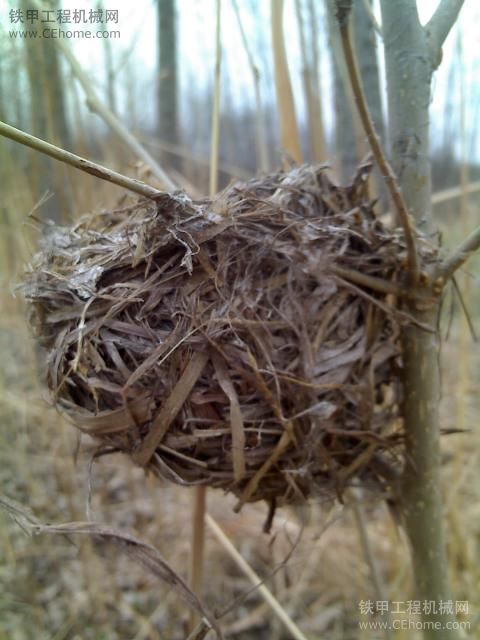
(220, 343)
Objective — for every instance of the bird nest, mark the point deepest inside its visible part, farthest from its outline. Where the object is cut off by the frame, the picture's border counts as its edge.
(242, 342)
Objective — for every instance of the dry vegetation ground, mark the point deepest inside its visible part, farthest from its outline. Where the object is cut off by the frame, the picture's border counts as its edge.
(57, 589)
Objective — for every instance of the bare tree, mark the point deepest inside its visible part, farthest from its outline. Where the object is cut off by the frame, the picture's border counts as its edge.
(310, 71)
(412, 54)
(410, 63)
(48, 114)
(366, 52)
(347, 151)
(109, 67)
(167, 72)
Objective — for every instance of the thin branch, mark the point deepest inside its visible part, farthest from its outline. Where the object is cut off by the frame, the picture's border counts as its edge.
(201, 630)
(199, 501)
(261, 140)
(376, 25)
(439, 25)
(455, 192)
(320, 144)
(145, 555)
(372, 282)
(96, 105)
(255, 579)
(459, 256)
(343, 13)
(448, 194)
(338, 60)
(315, 124)
(370, 556)
(78, 162)
(465, 310)
(233, 170)
(197, 552)
(215, 140)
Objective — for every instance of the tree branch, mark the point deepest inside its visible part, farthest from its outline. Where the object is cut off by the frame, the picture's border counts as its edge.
(261, 140)
(78, 162)
(255, 579)
(459, 256)
(465, 310)
(439, 25)
(377, 27)
(372, 282)
(343, 14)
(215, 133)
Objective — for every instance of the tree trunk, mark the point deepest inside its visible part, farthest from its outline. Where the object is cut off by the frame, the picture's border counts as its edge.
(310, 70)
(17, 113)
(289, 132)
(409, 73)
(48, 117)
(366, 54)
(40, 168)
(411, 58)
(167, 72)
(55, 93)
(109, 67)
(348, 133)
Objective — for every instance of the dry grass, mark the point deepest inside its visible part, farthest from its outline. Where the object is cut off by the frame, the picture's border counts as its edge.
(54, 589)
(220, 342)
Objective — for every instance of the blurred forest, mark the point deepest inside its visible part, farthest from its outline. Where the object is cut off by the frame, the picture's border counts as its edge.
(153, 71)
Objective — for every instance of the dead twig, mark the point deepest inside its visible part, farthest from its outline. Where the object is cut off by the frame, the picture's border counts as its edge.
(100, 535)
(343, 13)
(92, 168)
(459, 256)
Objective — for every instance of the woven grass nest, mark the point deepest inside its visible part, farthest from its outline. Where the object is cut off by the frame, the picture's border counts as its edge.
(221, 342)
